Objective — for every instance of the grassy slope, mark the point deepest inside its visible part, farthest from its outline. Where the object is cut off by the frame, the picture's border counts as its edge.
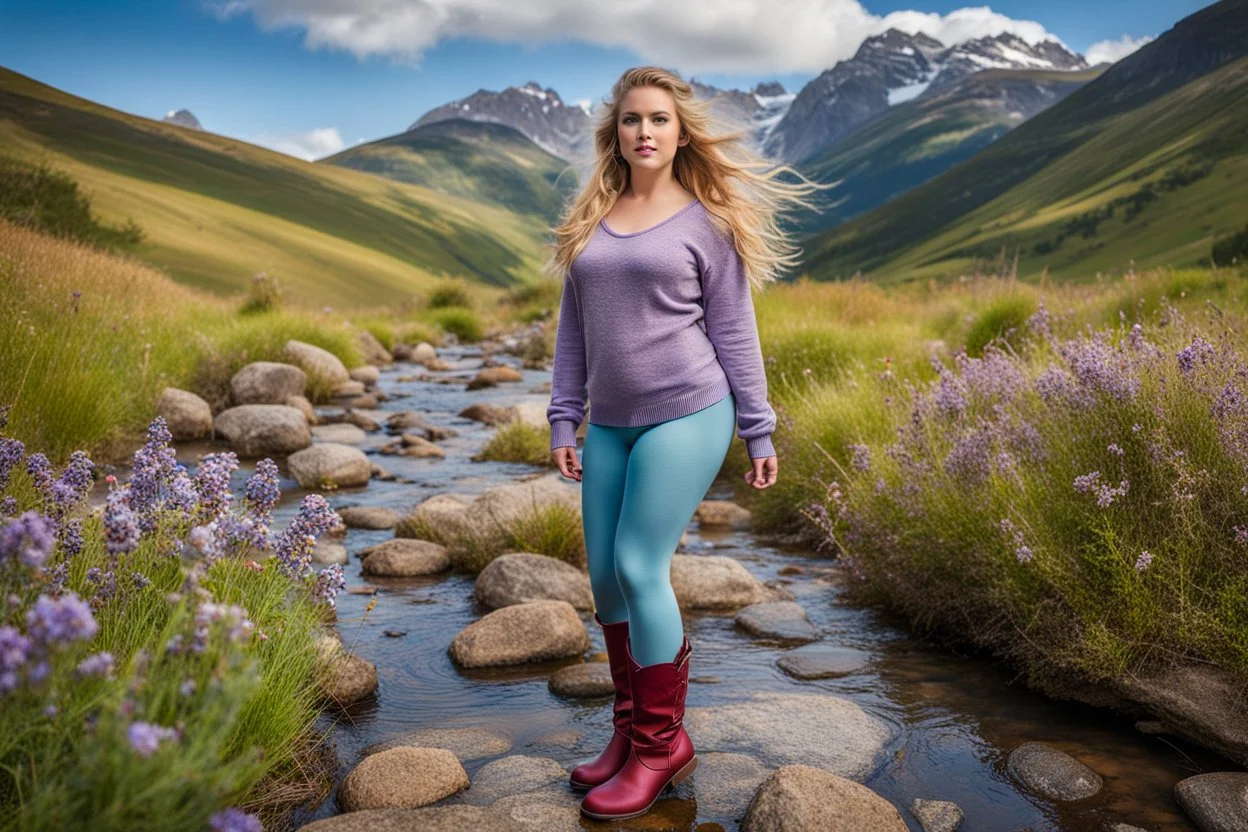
(912, 142)
(1144, 117)
(470, 159)
(217, 210)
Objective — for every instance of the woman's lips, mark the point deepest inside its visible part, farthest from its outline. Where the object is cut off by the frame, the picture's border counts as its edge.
(646, 151)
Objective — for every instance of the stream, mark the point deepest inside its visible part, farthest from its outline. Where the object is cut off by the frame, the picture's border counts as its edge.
(954, 718)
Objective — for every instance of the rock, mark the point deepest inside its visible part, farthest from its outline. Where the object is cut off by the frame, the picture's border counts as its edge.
(821, 729)
(517, 577)
(418, 446)
(405, 558)
(368, 375)
(305, 407)
(267, 382)
(936, 815)
(546, 810)
(1201, 702)
(326, 553)
(1216, 801)
(319, 364)
(521, 633)
(187, 415)
(491, 376)
(436, 433)
(724, 783)
(423, 352)
(447, 818)
(822, 661)
(330, 464)
(1151, 726)
(1051, 773)
(407, 420)
(804, 797)
(343, 434)
(713, 582)
(532, 414)
(490, 414)
(348, 389)
(504, 505)
(372, 350)
(368, 517)
(402, 778)
(516, 774)
(362, 421)
(369, 401)
(583, 680)
(255, 430)
(1124, 827)
(346, 678)
(443, 516)
(777, 619)
(466, 743)
(722, 513)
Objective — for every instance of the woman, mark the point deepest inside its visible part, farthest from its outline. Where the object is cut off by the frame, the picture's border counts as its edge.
(659, 254)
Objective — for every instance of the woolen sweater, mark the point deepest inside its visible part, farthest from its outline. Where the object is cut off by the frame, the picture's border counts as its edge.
(658, 324)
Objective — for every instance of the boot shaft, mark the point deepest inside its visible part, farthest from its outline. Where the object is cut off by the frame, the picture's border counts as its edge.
(616, 637)
(659, 693)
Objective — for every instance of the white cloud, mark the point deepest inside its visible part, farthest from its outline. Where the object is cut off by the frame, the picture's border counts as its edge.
(309, 146)
(696, 36)
(1115, 50)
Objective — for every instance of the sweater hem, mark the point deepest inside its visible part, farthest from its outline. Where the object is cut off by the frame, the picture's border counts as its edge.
(681, 404)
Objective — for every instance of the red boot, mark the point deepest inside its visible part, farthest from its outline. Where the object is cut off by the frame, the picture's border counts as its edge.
(662, 753)
(600, 769)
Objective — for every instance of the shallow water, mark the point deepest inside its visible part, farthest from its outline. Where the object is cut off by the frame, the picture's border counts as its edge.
(955, 718)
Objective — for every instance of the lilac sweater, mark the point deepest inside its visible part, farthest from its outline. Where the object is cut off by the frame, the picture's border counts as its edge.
(657, 324)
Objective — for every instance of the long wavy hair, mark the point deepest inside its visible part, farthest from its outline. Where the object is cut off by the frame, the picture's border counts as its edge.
(742, 203)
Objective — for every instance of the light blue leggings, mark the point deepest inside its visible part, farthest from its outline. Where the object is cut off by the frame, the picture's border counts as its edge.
(639, 489)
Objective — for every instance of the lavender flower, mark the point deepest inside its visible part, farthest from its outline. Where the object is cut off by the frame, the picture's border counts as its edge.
(330, 582)
(12, 451)
(140, 580)
(232, 617)
(212, 481)
(50, 622)
(97, 664)
(14, 651)
(1198, 352)
(235, 820)
(71, 537)
(104, 586)
(1143, 561)
(28, 538)
(121, 524)
(263, 490)
(40, 471)
(294, 545)
(862, 456)
(145, 737)
(8, 506)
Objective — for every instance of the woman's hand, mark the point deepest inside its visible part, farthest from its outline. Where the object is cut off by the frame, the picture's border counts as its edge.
(764, 473)
(565, 458)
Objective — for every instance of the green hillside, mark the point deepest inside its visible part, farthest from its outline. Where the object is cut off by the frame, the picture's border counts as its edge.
(914, 141)
(1148, 163)
(472, 159)
(216, 210)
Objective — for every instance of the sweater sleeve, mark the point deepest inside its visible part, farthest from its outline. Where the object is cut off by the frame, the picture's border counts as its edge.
(729, 317)
(567, 386)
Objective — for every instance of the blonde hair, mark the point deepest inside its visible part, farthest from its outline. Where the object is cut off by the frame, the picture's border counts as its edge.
(703, 168)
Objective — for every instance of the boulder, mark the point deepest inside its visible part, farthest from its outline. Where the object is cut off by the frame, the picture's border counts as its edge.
(822, 661)
(405, 558)
(267, 382)
(1216, 801)
(368, 375)
(348, 389)
(326, 552)
(446, 818)
(402, 778)
(724, 782)
(1051, 773)
(187, 415)
(517, 577)
(532, 414)
(345, 678)
(367, 517)
(372, 350)
(422, 352)
(442, 516)
(329, 464)
(804, 797)
(583, 680)
(467, 743)
(722, 513)
(490, 414)
(341, 433)
(936, 815)
(713, 582)
(316, 362)
(491, 376)
(305, 407)
(256, 430)
(515, 774)
(521, 633)
(784, 620)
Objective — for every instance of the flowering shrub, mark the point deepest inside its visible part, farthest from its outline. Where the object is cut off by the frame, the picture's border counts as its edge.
(1080, 503)
(136, 688)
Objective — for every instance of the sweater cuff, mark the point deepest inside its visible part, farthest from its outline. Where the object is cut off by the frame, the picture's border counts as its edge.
(563, 434)
(760, 447)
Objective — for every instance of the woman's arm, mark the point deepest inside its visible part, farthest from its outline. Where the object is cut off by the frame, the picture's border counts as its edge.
(567, 386)
(730, 325)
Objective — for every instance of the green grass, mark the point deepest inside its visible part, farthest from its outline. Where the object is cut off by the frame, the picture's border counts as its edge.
(517, 442)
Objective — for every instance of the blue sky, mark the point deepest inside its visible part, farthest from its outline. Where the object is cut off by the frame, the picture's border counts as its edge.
(309, 76)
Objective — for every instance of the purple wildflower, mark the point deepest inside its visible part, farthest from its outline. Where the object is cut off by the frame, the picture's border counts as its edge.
(104, 586)
(263, 489)
(1142, 562)
(969, 460)
(232, 617)
(235, 820)
(145, 737)
(1241, 535)
(862, 456)
(140, 580)
(8, 506)
(330, 582)
(1198, 352)
(121, 524)
(71, 537)
(1114, 449)
(12, 452)
(154, 467)
(97, 664)
(294, 545)
(212, 481)
(14, 651)
(50, 622)
(40, 471)
(28, 538)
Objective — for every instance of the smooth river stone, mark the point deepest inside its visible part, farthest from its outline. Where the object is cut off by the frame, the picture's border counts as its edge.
(822, 661)
(1051, 773)
(587, 679)
(777, 619)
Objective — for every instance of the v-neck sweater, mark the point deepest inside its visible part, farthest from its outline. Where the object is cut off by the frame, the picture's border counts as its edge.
(657, 324)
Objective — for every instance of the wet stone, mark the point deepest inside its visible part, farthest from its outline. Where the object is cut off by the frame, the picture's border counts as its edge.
(583, 680)
(466, 743)
(785, 620)
(822, 661)
(1051, 773)
(936, 815)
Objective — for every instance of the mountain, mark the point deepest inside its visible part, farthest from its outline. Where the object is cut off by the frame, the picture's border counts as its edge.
(538, 113)
(475, 160)
(217, 210)
(890, 69)
(1149, 162)
(916, 140)
(182, 118)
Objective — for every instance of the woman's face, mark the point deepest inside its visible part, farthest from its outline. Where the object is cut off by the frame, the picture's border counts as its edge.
(648, 119)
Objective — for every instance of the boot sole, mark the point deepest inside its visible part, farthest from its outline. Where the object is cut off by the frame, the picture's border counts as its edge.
(677, 778)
